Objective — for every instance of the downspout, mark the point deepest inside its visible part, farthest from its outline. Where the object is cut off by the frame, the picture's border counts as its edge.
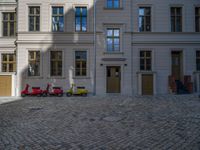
(94, 26)
(16, 51)
(131, 6)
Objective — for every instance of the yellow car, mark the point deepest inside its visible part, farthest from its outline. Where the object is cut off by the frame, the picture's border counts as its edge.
(80, 91)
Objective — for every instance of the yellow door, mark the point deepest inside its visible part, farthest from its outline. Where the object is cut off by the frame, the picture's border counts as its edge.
(147, 84)
(113, 79)
(5, 85)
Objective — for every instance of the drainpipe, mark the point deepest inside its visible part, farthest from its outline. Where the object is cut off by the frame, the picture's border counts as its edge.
(131, 47)
(16, 52)
(94, 28)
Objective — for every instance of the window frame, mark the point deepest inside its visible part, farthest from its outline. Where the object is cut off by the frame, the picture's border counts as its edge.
(35, 15)
(8, 24)
(197, 58)
(57, 62)
(195, 18)
(145, 58)
(113, 6)
(8, 62)
(113, 38)
(81, 18)
(36, 60)
(175, 18)
(81, 68)
(145, 16)
(57, 15)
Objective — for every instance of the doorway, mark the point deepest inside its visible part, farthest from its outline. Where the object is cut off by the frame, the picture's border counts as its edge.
(113, 74)
(177, 65)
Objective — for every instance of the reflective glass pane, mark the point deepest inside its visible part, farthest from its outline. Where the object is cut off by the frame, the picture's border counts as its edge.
(61, 10)
(5, 29)
(116, 3)
(84, 11)
(147, 11)
(12, 16)
(172, 11)
(109, 32)
(31, 23)
(31, 10)
(116, 32)
(109, 4)
(54, 10)
(37, 10)
(78, 24)
(78, 11)
(12, 29)
(4, 57)
(4, 67)
(84, 24)
(141, 11)
(141, 23)
(5, 16)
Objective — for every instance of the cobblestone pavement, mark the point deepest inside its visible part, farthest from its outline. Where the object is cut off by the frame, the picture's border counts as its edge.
(101, 123)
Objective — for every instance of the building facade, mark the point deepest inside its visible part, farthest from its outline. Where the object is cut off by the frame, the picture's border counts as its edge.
(132, 47)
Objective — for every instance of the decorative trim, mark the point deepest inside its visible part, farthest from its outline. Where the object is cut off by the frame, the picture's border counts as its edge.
(113, 59)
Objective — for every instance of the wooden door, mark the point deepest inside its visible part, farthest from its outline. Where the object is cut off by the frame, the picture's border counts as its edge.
(113, 79)
(5, 85)
(176, 65)
(147, 84)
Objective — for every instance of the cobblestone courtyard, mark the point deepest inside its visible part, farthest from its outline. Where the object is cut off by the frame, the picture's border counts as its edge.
(101, 123)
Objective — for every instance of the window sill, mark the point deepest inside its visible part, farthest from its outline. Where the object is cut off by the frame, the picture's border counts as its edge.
(111, 53)
(34, 77)
(106, 8)
(146, 72)
(81, 77)
(56, 77)
(197, 72)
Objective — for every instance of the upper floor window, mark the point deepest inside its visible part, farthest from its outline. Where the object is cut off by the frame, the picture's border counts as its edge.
(8, 63)
(113, 3)
(56, 63)
(81, 19)
(34, 18)
(9, 24)
(197, 19)
(198, 60)
(176, 19)
(113, 39)
(144, 19)
(34, 63)
(57, 19)
(80, 63)
(145, 60)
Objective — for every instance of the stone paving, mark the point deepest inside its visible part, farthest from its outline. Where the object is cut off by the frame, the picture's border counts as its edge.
(166, 122)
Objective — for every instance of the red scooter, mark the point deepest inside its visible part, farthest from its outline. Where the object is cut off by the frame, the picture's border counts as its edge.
(55, 91)
(36, 91)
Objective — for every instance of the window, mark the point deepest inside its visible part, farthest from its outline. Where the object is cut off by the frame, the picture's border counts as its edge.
(56, 63)
(8, 62)
(113, 39)
(144, 19)
(81, 19)
(145, 60)
(198, 60)
(176, 19)
(113, 3)
(9, 24)
(197, 19)
(34, 63)
(57, 19)
(34, 18)
(80, 63)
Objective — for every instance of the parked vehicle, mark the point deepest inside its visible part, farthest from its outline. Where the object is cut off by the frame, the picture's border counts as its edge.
(54, 91)
(36, 91)
(79, 91)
